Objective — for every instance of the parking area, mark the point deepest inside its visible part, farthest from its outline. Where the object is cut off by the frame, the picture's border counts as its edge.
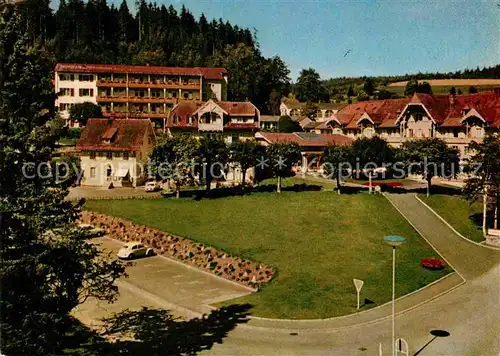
(163, 283)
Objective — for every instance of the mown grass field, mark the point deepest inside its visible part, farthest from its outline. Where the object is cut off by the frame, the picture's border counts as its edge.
(457, 211)
(443, 89)
(317, 241)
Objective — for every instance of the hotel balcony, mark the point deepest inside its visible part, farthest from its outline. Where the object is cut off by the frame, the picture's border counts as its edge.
(210, 127)
(193, 85)
(108, 83)
(111, 99)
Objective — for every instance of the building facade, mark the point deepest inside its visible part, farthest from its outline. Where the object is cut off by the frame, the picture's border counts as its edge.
(294, 109)
(233, 120)
(125, 91)
(114, 152)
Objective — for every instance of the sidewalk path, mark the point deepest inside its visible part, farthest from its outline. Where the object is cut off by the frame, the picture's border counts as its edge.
(467, 259)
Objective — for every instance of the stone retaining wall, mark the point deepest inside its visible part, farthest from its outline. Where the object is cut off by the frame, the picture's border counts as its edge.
(196, 254)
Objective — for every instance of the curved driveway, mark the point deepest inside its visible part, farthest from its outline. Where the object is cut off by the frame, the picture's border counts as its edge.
(470, 313)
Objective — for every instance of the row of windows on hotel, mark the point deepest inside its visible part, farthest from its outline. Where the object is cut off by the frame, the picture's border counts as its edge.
(109, 155)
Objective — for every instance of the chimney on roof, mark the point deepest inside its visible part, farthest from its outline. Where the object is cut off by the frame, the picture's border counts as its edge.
(452, 99)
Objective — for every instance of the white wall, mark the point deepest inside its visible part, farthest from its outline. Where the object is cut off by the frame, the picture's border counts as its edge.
(76, 85)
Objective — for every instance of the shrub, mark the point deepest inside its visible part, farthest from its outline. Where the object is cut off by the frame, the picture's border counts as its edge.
(74, 132)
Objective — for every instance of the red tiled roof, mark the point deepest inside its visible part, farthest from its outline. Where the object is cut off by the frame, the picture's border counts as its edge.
(108, 135)
(444, 111)
(382, 112)
(128, 135)
(448, 111)
(238, 108)
(307, 139)
(206, 72)
(182, 112)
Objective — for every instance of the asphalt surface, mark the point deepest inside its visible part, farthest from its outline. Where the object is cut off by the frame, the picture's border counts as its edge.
(470, 313)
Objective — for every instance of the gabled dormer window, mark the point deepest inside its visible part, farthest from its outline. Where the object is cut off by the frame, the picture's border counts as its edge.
(109, 135)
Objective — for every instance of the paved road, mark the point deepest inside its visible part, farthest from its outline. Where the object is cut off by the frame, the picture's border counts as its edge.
(470, 313)
(105, 193)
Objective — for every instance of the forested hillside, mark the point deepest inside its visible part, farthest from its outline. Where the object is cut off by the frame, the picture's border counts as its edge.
(98, 32)
(338, 87)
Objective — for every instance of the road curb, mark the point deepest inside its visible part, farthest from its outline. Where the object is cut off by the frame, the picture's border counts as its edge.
(420, 233)
(455, 231)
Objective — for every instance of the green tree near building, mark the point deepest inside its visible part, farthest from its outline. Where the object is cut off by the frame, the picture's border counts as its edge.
(413, 86)
(430, 157)
(472, 89)
(48, 267)
(350, 92)
(172, 159)
(484, 181)
(367, 154)
(281, 157)
(245, 154)
(369, 87)
(337, 158)
(310, 110)
(286, 124)
(309, 87)
(362, 95)
(82, 112)
(211, 158)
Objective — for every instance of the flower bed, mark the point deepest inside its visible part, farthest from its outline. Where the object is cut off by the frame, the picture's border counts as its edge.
(205, 257)
(390, 184)
(432, 263)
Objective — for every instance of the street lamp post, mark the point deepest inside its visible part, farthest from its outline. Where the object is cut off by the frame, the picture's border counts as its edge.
(394, 241)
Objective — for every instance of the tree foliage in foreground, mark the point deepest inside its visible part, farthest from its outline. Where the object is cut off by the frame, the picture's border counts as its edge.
(337, 158)
(172, 159)
(48, 268)
(81, 112)
(245, 154)
(484, 180)
(211, 158)
(430, 157)
(282, 156)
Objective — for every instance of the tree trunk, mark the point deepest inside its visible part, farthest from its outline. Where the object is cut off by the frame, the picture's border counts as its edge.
(243, 176)
(485, 209)
(208, 176)
(495, 219)
(370, 189)
(338, 182)
(278, 187)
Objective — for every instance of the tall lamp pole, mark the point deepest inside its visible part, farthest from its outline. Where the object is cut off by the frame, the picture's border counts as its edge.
(394, 241)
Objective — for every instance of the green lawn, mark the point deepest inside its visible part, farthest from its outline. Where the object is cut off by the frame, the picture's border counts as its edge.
(458, 213)
(290, 181)
(382, 181)
(317, 241)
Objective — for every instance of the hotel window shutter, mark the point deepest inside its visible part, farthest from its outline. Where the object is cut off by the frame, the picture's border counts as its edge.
(91, 92)
(72, 92)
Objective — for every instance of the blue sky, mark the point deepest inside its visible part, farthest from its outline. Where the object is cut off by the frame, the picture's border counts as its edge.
(385, 37)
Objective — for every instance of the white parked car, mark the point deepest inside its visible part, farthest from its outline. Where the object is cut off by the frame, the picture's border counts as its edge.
(134, 250)
(152, 186)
